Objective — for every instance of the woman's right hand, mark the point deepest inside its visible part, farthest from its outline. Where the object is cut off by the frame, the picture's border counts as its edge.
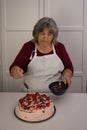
(17, 72)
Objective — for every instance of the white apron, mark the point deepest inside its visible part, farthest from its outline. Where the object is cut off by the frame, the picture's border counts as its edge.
(43, 70)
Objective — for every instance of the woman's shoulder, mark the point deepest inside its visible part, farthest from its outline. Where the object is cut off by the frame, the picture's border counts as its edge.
(28, 47)
(29, 44)
(59, 45)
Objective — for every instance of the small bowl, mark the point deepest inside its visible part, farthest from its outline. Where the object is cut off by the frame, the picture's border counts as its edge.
(58, 87)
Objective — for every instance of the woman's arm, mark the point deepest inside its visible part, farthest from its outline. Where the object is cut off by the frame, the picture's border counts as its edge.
(22, 59)
(68, 66)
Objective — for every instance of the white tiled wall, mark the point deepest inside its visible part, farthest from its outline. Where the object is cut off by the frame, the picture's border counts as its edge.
(0, 52)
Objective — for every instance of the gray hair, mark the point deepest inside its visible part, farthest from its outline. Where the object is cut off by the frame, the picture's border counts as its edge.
(43, 23)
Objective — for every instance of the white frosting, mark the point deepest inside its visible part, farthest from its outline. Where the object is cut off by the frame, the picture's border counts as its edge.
(37, 115)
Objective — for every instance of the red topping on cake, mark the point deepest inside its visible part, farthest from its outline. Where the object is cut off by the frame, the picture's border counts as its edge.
(34, 101)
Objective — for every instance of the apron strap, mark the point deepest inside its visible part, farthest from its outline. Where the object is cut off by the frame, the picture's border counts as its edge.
(54, 51)
(33, 53)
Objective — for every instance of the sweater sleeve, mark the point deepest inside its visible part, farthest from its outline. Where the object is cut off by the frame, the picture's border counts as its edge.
(62, 53)
(22, 59)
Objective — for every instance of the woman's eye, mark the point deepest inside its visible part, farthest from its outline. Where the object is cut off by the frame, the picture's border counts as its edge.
(41, 33)
(49, 34)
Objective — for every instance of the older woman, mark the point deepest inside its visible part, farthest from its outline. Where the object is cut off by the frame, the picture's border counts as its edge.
(44, 58)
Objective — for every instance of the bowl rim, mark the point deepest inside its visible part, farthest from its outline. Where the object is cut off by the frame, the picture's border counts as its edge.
(55, 82)
(58, 92)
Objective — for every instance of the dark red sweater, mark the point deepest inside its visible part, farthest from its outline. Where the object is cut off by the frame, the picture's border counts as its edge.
(23, 57)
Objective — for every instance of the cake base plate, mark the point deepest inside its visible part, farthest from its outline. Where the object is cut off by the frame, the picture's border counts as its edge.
(36, 121)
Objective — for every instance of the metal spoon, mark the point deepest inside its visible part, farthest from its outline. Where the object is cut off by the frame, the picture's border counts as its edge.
(26, 86)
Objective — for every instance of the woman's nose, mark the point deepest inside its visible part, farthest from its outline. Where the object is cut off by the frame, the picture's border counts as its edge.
(45, 37)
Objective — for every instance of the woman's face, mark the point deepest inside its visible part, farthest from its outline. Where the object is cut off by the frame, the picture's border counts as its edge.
(45, 37)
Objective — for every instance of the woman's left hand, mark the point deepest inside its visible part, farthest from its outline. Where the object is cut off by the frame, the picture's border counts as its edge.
(67, 74)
